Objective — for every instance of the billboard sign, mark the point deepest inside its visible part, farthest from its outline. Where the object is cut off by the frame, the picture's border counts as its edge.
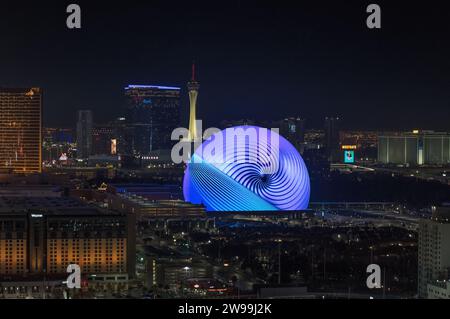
(349, 157)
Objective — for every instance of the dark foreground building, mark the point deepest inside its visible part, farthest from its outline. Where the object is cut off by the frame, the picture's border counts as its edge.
(43, 235)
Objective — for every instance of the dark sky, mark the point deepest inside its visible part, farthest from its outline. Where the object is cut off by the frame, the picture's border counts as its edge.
(256, 59)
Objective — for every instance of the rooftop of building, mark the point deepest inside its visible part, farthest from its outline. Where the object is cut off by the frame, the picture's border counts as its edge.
(29, 190)
(19, 90)
(149, 192)
(415, 133)
(144, 202)
(131, 186)
(56, 206)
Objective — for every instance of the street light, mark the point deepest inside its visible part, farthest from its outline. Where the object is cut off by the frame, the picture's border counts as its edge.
(186, 269)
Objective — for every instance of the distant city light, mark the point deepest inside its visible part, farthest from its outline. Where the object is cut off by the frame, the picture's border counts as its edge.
(159, 87)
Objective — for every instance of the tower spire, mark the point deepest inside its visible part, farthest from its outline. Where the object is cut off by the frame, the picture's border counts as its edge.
(193, 87)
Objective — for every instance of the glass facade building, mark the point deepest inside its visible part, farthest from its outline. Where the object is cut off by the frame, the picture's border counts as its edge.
(153, 112)
(332, 141)
(85, 124)
(21, 130)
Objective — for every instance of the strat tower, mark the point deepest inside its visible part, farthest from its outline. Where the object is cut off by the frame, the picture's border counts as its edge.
(193, 87)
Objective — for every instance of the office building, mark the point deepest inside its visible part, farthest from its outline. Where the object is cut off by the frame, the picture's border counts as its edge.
(434, 251)
(293, 129)
(21, 130)
(104, 140)
(166, 267)
(153, 113)
(332, 141)
(84, 134)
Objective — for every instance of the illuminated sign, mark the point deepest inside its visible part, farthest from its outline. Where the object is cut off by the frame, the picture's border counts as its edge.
(37, 215)
(348, 147)
(349, 156)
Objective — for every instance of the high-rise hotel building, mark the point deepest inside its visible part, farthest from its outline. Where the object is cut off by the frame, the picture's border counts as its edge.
(434, 254)
(21, 130)
(85, 125)
(153, 112)
(43, 235)
(332, 141)
(414, 148)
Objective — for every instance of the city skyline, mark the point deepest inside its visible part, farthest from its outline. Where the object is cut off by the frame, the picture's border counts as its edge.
(234, 152)
(309, 60)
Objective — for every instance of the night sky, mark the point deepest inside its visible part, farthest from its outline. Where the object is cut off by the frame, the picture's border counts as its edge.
(256, 59)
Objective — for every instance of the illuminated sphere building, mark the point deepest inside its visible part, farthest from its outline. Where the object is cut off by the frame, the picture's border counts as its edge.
(263, 173)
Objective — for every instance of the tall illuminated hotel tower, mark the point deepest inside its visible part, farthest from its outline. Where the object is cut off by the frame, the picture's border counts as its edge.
(21, 130)
(193, 87)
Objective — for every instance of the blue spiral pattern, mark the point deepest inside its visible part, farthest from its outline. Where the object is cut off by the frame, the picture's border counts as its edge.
(250, 176)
